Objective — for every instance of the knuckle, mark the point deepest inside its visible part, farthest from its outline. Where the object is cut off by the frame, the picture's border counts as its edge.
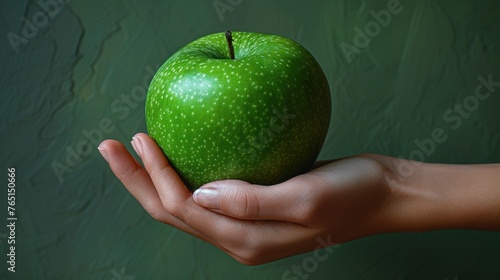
(161, 171)
(309, 205)
(309, 212)
(155, 215)
(129, 175)
(252, 256)
(244, 203)
(249, 246)
(154, 210)
(250, 251)
(250, 259)
(173, 210)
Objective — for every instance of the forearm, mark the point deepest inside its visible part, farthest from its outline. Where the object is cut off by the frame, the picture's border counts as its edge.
(445, 196)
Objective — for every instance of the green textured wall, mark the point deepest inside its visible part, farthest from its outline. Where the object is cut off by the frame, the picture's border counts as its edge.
(81, 72)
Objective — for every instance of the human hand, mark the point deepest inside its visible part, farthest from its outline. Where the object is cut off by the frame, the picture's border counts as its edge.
(338, 202)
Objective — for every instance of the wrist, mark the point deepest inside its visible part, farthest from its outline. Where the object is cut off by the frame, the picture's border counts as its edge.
(417, 205)
(429, 196)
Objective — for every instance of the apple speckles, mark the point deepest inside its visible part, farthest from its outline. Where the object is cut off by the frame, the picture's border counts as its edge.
(215, 118)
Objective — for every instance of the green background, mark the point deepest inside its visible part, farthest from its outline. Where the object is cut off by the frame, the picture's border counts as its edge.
(94, 57)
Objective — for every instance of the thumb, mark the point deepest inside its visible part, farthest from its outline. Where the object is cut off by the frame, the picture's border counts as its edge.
(245, 201)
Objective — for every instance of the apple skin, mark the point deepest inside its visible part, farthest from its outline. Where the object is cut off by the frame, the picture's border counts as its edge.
(261, 118)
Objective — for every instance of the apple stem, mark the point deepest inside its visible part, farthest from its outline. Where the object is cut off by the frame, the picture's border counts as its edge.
(229, 38)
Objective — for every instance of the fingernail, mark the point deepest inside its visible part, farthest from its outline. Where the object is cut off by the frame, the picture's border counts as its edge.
(137, 145)
(207, 198)
(103, 152)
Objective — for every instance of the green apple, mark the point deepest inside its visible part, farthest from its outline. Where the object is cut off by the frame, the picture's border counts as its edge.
(247, 106)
